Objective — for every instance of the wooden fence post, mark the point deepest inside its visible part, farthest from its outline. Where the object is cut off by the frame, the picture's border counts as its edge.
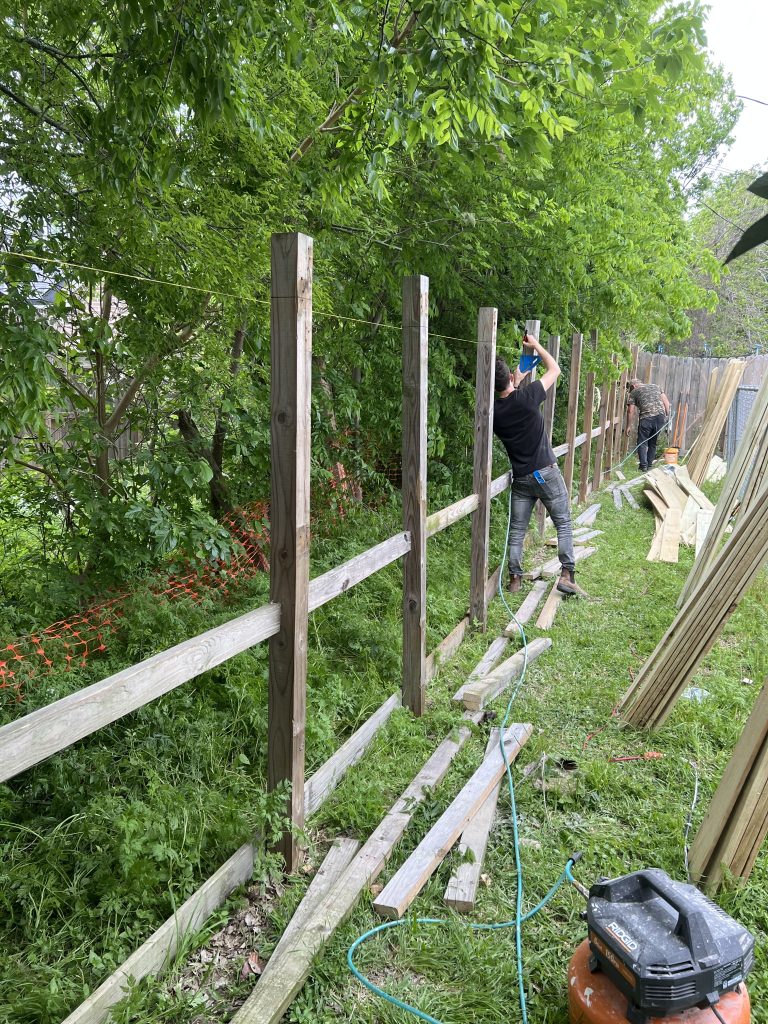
(610, 417)
(291, 338)
(549, 418)
(589, 412)
(632, 374)
(573, 410)
(481, 477)
(415, 335)
(597, 475)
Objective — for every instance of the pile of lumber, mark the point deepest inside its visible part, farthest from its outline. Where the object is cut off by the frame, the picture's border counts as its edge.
(683, 512)
(723, 385)
(733, 830)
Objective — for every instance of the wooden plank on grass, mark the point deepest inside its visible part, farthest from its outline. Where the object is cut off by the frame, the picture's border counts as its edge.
(484, 666)
(461, 891)
(160, 948)
(660, 507)
(586, 518)
(328, 776)
(403, 888)
(528, 607)
(478, 693)
(549, 611)
(617, 498)
(284, 976)
(554, 566)
(629, 497)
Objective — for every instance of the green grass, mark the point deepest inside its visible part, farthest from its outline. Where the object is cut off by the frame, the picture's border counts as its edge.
(100, 842)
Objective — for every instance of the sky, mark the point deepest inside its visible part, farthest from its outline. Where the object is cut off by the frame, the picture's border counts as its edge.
(737, 36)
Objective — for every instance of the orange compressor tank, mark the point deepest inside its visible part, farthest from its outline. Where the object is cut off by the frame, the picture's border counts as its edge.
(594, 999)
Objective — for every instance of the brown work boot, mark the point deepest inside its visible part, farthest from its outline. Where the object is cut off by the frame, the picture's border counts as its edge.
(567, 583)
(515, 582)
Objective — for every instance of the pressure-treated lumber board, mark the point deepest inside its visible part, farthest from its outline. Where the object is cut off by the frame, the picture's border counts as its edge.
(629, 497)
(586, 517)
(451, 514)
(527, 608)
(548, 612)
(328, 776)
(573, 409)
(617, 498)
(721, 833)
(703, 520)
(447, 647)
(484, 666)
(492, 586)
(580, 536)
(670, 537)
(554, 566)
(482, 466)
(31, 739)
(283, 977)
(666, 673)
(655, 548)
(501, 483)
(668, 487)
(160, 948)
(589, 410)
(684, 480)
(414, 489)
(406, 884)
(478, 693)
(718, 405)
(548, 412)
(341, 579)
(749, 460)
(461, 891)
(688, 522)
(291, 432)
(660, 507)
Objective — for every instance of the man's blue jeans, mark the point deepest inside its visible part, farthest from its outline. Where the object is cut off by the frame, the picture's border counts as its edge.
(648, 430)
(525, 491)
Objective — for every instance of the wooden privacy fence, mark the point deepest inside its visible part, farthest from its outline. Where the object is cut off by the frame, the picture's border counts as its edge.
(685, 381)
(293, 596)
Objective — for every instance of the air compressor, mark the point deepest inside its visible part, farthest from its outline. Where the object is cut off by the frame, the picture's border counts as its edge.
(658, 950)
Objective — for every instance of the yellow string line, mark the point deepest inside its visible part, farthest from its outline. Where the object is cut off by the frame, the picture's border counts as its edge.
(207, 291)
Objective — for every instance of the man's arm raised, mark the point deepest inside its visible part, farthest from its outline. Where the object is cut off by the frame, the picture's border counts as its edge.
(551, 368)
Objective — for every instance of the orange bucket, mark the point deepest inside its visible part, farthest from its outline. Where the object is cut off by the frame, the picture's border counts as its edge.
(670, 456)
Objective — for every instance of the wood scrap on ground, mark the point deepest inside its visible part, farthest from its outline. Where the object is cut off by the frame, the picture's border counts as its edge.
(549, 611)
(668, 500)
(405, 885)
(588, 516)
(478, 693)
(617, 498)
(461, 891)
(527, 608)
(486, 663)
(284, 976)
(553, 566)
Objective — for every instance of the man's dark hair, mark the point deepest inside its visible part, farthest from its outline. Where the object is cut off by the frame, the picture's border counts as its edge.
(502, 375)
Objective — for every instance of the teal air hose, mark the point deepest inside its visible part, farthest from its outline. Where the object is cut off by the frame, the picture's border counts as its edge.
(519, 917)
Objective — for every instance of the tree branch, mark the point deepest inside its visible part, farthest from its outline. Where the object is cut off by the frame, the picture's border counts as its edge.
(306, 144)
(34, 111)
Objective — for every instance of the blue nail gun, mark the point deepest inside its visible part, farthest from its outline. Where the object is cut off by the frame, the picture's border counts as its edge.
(528, 360)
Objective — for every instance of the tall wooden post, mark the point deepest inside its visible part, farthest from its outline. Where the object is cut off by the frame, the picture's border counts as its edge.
(610, 425)
(597, 475)
(481, 476)
(589, 412)
(415, 335)
(573, 410)
(291, 337)
(549, 419)
(632, 373)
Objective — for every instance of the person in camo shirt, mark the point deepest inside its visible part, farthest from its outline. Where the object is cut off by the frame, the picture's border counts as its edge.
(653, 409)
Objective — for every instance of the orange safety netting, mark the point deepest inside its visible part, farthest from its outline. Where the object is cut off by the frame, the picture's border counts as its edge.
(70, 642)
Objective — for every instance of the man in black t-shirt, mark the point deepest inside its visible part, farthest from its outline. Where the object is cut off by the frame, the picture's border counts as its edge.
(519, 425)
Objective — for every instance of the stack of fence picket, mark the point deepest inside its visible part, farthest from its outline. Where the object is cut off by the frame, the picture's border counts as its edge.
(722, 390)
(735, 826)
(668, 500)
